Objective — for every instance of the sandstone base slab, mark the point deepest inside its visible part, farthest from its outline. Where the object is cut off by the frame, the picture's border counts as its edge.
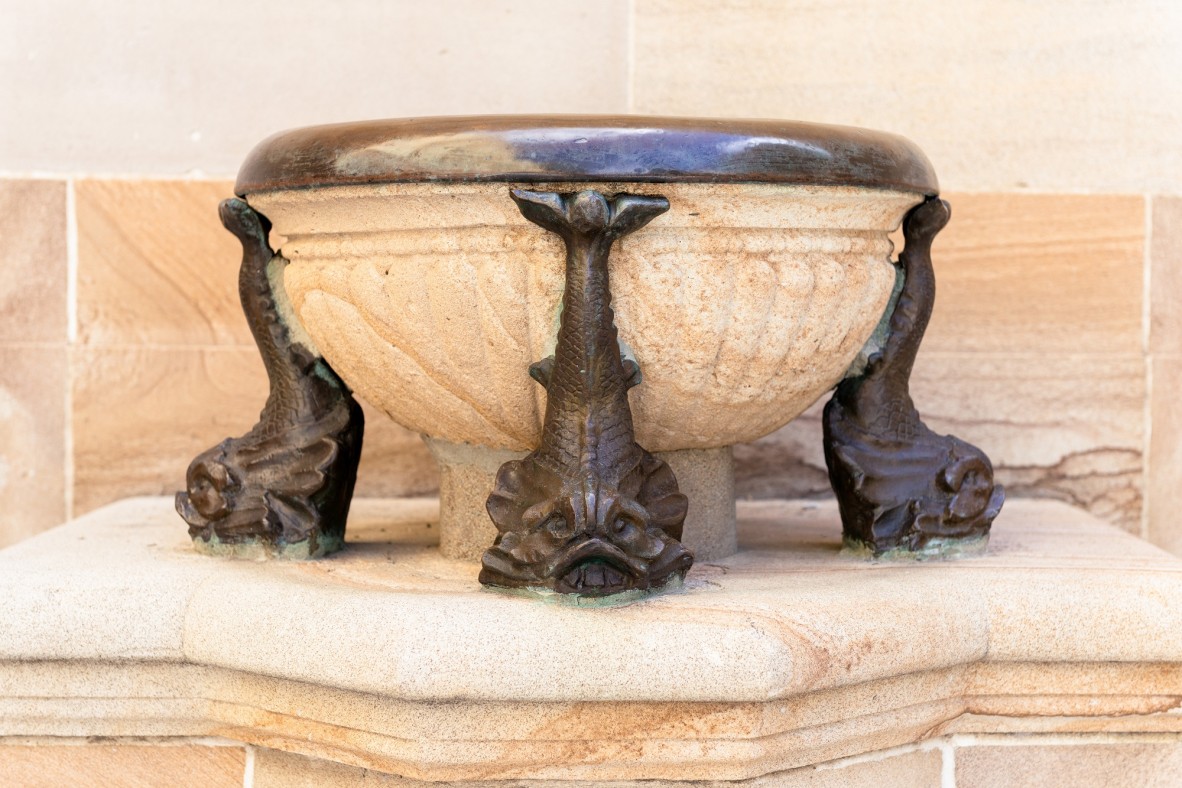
(390, 657)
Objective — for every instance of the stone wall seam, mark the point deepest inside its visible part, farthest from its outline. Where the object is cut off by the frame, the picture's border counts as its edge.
(1146, 332)
(71, 340)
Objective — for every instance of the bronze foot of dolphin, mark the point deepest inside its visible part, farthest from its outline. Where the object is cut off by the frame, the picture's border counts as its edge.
(283, 488)
(900, 486)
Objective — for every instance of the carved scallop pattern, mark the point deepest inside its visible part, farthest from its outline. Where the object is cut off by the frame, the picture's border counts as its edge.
(742, 305)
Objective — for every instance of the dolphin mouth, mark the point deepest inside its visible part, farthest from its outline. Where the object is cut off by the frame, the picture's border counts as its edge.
(595, 567)
(594, 578)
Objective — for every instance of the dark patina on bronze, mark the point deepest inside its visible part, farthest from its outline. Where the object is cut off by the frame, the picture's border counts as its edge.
(589, 512)
(286, 485)
(900, 486)
(585, 148)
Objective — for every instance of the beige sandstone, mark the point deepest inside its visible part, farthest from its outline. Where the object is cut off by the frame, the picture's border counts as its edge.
(742, 304)
(1068, 763)
(466, 477)
(139, 764)
(391, 657)
(914, 769)
(117, 67)
(1001, 94)
(707, 477)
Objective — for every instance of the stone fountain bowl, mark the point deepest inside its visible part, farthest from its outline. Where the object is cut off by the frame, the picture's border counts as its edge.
(421, 283)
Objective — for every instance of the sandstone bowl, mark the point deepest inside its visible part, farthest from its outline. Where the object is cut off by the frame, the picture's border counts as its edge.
(424, 287)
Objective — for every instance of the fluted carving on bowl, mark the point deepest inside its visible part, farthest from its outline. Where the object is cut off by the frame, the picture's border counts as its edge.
(747, 304)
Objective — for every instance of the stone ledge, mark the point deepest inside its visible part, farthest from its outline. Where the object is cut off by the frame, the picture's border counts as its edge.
(392, 658)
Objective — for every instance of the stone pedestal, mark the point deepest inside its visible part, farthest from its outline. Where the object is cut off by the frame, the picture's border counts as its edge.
(1057, 655)
(466, 474)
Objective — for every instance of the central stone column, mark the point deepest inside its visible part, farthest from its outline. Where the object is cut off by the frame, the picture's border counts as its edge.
(467, 474)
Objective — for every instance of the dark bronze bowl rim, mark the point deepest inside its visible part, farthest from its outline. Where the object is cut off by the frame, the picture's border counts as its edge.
(527, 149)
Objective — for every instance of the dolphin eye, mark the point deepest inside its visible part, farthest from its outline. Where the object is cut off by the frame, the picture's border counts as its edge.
(555, 525)
(624, 528)
(206, 488)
